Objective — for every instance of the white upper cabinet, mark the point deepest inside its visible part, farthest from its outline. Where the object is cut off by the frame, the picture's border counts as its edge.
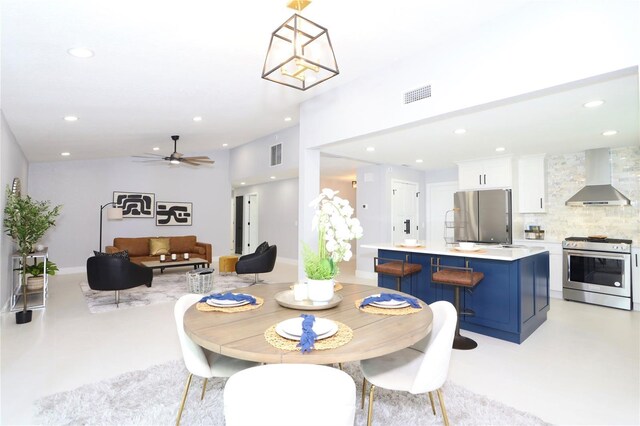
(487, 173)
(531, 184)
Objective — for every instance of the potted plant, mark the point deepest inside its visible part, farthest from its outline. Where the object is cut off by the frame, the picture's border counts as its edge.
(36, 280)
(336, 228)
(26, 221)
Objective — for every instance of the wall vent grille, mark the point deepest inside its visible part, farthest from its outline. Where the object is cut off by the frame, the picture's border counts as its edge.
(417, 94)
(276, 155)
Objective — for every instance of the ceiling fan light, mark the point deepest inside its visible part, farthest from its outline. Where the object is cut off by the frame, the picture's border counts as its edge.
(174, 161)
(300, 54)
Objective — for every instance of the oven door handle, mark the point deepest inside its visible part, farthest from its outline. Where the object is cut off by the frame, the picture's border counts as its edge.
(598, 254)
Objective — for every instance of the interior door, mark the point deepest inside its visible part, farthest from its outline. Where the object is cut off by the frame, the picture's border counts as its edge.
(239, 224)
(250, 220)
(404, 210)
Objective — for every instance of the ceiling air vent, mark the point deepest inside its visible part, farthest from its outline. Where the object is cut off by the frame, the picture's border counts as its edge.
(417, 94)
(276, 154)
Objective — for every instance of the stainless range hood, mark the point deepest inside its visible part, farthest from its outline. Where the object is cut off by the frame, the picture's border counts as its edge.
(598, 190)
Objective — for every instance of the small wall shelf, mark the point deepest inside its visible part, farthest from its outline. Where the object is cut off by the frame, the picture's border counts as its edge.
(36, 299)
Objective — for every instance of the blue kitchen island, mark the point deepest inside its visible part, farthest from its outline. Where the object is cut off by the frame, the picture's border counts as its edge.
(510, 302)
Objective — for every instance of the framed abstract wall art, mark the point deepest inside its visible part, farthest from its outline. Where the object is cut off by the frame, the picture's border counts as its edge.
(169, 213)
(135, 204)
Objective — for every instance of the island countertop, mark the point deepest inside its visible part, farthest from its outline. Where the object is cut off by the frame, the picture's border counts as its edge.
(507, 254)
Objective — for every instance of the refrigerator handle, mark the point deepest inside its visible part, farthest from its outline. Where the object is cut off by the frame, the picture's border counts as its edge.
(407, 226)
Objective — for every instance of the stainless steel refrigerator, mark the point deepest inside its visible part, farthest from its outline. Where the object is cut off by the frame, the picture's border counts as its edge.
(483, 216)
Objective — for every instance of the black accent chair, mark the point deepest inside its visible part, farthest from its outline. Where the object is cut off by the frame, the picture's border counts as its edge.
(110, 273)
(262, 261)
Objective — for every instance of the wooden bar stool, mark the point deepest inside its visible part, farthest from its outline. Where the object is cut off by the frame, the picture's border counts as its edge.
(395, 268)
(457, 277)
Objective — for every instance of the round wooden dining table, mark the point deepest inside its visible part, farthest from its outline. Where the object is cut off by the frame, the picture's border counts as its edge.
(241, 334)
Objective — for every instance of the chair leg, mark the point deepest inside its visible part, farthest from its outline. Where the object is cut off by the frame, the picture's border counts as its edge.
(204, 388)
(444, 410)
(340, 366)
(184, 399)
(398, 283)
(370, 414)
(364, 388)
(433, 406)
(117, 298)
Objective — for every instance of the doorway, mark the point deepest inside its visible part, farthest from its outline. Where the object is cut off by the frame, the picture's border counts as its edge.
(405, 198)
(439, 201)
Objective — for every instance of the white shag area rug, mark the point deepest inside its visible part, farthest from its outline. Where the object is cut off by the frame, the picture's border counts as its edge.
(152, 397)
(166, 287)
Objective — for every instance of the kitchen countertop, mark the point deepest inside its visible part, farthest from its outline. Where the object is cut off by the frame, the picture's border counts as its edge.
(493, 252)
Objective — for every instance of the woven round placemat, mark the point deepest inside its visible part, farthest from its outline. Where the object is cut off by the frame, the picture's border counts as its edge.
(342, 337)
(204, 307)
(386, 311)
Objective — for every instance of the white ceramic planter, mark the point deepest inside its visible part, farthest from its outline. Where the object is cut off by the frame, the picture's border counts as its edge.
(320, 291)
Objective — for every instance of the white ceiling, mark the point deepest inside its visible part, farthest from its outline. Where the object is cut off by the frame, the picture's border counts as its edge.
(551, 121)
(158, 64)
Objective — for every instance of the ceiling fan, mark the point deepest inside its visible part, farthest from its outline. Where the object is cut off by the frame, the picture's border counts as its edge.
(176, 157)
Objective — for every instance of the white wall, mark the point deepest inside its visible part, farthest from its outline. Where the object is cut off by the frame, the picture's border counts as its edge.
(83, 186)
(13, 164)
(251, 161)
(277, 215)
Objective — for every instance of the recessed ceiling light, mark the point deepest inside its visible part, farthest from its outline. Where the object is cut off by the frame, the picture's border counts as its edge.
(500, 149)
(609, 133)
(272, 177)
(460, 131)
(197, 118)
(80, 52)
(593, 104)
(156, 148)
(225, 144)
(419, 160)
(371, 149)
(65, 154)
(287, 119)
(242, 183)
(70, 118)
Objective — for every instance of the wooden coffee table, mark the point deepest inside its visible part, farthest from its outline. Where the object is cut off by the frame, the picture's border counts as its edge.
(194, 261)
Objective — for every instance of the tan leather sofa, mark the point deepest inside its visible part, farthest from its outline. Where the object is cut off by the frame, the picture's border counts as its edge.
(138, 248)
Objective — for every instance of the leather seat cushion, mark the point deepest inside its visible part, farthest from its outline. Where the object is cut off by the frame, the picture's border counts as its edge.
(396, 269)
(457, 277)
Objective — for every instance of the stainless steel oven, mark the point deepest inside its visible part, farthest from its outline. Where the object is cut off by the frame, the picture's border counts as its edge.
(598, 271)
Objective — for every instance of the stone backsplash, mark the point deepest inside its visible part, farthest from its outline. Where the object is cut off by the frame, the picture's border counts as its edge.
(565, 176)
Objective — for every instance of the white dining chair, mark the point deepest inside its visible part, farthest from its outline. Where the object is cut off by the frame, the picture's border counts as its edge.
(199, 361)
(421, 368)
(290, 395)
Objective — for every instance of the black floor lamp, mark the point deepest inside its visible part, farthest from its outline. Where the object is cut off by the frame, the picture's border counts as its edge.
(112, 214)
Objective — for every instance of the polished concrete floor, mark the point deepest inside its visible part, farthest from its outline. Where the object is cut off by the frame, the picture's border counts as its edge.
(581, 367)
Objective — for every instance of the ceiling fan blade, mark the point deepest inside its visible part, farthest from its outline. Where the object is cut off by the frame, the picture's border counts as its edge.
(148, 160)
(156, 156)
(201, 161)
(200, 157)
(193, 163)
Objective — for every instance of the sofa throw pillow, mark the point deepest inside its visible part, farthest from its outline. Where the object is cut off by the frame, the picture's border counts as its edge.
(158, 246)
(262, 248)
(123, 254)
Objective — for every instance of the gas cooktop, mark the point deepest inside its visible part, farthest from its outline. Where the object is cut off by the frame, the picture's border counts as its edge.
(599, 240)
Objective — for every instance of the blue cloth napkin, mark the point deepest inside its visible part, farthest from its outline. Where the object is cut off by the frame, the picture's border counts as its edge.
(385, 297)
(308, 337)
(230, 296)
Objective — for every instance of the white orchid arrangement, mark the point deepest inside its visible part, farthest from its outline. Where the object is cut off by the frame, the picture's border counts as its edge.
(336, 228)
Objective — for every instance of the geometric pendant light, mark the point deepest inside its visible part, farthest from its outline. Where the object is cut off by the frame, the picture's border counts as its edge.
(300, 54)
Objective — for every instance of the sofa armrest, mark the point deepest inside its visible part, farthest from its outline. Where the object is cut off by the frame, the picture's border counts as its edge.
(111, 249)
(207, 250)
